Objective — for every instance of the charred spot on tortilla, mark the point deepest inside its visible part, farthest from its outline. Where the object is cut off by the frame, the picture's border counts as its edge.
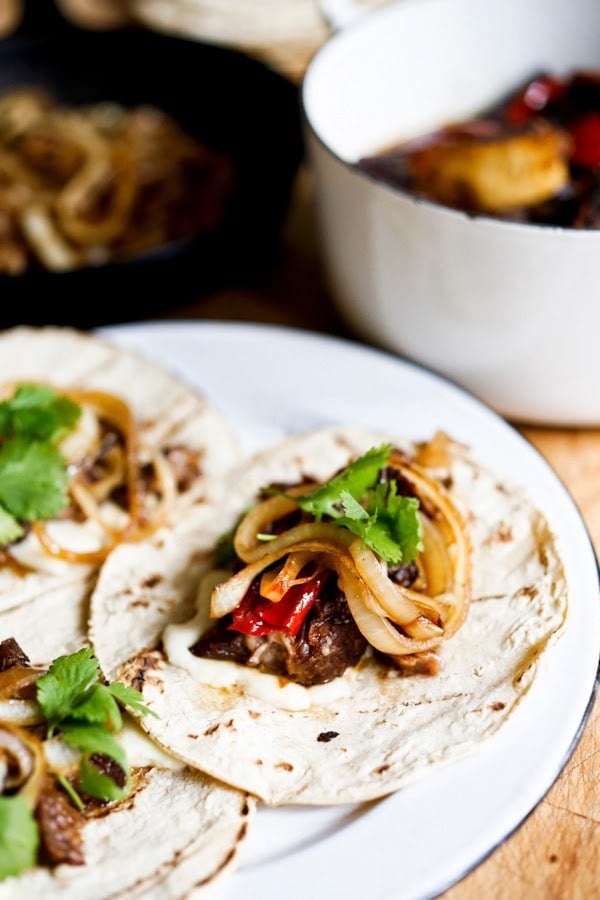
(530, 591)
(325, 736)
(504, 534)
(152, 580)
(142, 671)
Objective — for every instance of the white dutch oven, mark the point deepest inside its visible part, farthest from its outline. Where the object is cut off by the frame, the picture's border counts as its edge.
(510, 311)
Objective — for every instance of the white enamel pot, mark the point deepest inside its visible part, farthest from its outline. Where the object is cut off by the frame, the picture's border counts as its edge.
(510, 311)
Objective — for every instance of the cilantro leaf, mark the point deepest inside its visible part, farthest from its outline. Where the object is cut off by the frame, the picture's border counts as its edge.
(354, 480)
(66, 684)
(19, 836)
(98, 707)
(399, 515)
(33, 479)
(386, 521)
(10, 529)
(38, 413)
(86, 713)
(97, 784)
(128, 696)
(93, 739)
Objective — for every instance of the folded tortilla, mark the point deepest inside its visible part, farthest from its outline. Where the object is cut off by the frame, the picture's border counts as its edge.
(373, 729)
(176, 833)
(168, 412)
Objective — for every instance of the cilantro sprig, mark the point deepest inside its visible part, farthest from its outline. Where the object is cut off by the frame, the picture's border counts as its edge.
(33, 472)
(355, 499)
(37, 413)
(86, 713)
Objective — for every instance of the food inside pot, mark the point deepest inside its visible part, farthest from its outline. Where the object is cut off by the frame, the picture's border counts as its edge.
(533, 157)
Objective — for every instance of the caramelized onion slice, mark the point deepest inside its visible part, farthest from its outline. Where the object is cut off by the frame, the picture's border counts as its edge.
(391, 597)
(20, 712)
(16, 679)
(459, 551)
(435, 558)
(142, 520)
(25, 754)
(275, 584)
(257, 521)
(376, 627)
(227, 595)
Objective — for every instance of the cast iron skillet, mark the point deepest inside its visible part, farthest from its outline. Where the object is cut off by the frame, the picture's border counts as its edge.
(230, 101)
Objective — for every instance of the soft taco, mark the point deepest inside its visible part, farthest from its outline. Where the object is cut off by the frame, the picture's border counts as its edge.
(377, 608)
(97, 445)
(89, 806)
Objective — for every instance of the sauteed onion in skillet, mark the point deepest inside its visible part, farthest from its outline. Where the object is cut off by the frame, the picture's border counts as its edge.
(87, 185)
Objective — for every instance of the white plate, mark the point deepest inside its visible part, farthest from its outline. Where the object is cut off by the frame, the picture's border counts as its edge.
(271, 382)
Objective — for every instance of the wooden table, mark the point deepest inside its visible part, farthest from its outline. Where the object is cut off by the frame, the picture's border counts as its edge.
(556, 852)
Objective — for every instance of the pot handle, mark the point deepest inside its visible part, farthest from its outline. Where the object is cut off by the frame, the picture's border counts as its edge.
(340, 13)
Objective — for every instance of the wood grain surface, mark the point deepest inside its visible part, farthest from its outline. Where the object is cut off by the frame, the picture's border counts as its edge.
(555, 854)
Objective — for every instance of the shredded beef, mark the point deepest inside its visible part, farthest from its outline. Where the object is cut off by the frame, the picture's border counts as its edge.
(11, 655)
(60, 824)
(328, 643)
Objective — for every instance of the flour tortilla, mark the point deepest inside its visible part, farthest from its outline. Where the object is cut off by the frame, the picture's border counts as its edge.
(389, 729)
(175, 835)
(167, 410)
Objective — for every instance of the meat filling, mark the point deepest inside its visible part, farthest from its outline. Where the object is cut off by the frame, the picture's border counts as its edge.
(60, 827)
(11, 655)
(327, 643)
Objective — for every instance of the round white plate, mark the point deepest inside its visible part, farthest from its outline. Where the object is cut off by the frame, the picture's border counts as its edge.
(271, 382)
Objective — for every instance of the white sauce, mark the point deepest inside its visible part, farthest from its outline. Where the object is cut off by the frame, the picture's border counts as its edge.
(81, 537)
(224, 674)
(141, 751)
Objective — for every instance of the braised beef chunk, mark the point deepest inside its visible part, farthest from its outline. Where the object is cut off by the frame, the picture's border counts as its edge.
(415, 663)
(106, 765)
(326, 645)
(60, 827)
(219, 643)
(405, 576)
(11, 655)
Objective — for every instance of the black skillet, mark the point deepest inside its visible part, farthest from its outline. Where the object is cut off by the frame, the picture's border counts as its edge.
(230, 101)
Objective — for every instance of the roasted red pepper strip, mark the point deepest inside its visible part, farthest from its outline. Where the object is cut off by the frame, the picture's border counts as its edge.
(586, 141)
(532, 99)
(257, 615)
